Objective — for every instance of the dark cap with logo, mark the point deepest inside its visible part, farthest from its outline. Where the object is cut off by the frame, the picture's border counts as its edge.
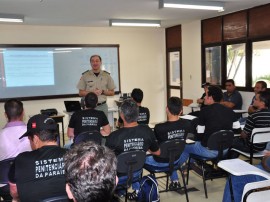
(38, 123)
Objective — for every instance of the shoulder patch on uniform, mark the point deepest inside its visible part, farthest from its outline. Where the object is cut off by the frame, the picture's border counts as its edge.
(106, 72)
(85, 72)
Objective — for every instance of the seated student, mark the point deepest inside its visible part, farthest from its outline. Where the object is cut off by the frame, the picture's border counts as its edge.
(258, 119)
(259, 86)
(173, 128)
(144, 114)
(212, 118)
(88, 119)
(10, 144)
(38, 174)
(231, 98)
(201, 100)
(90, 171)
(239, 182)
(132, 137)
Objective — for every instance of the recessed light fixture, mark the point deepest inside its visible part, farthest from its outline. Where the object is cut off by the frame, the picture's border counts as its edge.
(11, 18)
(135, 23)
(192, 4)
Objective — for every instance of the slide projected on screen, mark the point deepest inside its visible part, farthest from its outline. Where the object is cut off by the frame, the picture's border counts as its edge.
(28, 68)
(38, 71)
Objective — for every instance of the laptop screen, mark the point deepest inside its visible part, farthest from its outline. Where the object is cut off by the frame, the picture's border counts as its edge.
(72, 106)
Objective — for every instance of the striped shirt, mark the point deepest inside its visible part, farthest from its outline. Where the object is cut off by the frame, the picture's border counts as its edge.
(259, 119)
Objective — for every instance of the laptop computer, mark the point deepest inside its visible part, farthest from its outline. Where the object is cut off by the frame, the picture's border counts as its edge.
(72, 106)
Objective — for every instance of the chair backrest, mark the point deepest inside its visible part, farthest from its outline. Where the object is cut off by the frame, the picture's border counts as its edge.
(63, 198)
(4, 169)
(130, 161)
(220, 140)
(94, 136)
(260, 135)
(172, 149)
(256, 191)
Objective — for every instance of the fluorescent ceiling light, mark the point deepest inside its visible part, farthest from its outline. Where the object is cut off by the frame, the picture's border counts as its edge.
(11, 18)
(192, 4)
(135, 23)
(58, 49)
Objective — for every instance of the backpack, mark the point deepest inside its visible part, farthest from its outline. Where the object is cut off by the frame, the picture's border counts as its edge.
(148, 191)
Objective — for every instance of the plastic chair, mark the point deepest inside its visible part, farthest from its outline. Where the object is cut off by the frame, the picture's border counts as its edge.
(238, 167)
(94, 136)
(4, 169)
(63, 198)
(171, 150)
(219, 141)
(256, 191)
(258, 135)
(128, 163)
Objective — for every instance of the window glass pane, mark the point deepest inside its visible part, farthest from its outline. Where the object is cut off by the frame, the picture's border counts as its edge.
(174, 68)
(236, 63)
(213, 65)
(260, 62)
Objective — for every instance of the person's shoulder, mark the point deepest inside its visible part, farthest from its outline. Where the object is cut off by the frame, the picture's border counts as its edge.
(104, 73)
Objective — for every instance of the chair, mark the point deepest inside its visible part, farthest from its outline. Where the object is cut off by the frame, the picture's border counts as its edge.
(94, 136)
(238, 167)
(127, 163)
(219, 141)
(256, 191)
(4, 169)
(63, 198)
(171, 150)
(258, 135)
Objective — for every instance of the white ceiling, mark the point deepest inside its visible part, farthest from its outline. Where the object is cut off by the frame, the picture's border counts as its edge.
(96, 13)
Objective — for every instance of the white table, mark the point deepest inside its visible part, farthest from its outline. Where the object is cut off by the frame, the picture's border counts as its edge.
(239, 167)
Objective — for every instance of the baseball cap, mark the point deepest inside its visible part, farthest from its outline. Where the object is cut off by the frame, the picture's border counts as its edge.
(38, 123)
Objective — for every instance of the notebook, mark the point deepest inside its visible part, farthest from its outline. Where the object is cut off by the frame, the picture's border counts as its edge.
(72, 106)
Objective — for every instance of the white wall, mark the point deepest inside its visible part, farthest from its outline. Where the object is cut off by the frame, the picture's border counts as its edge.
(142, 59)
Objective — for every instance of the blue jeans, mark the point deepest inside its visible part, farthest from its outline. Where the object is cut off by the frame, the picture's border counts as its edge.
(198, 149)
(151, 161)
(238, 183)
(123, 180)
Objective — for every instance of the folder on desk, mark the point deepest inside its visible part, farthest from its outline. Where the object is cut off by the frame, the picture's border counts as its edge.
(72, 106)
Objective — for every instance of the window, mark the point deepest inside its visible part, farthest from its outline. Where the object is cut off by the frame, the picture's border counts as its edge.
(236, 63)
(260, 62)
(213, 65)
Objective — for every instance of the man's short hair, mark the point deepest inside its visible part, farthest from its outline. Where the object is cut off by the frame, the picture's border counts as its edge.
(90, 171)
(137, 95)
(130, 110)
(175, 105)
(265, 97)
(216, 93)
(91, 100)
(230, 81)
(96, 56)
(13, 109)
(263, 84)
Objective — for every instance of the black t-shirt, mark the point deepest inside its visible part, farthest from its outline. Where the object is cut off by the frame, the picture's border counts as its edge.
(215, 117)
(39, 174)
(170, 130)
(143, 118)
(87, 120)
(140, 137)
